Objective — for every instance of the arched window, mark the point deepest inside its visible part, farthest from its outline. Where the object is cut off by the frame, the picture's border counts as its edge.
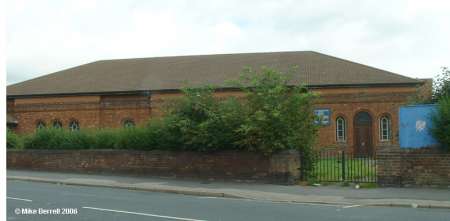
(40, 124)
(74, 125)
(57, 124)
(385, 128)
(128, 123)
(340, 129)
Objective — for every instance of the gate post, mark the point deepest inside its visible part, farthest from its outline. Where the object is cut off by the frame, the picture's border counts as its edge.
(343, 165)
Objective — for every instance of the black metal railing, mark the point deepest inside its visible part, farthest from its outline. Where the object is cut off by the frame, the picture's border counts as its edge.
(340, 166)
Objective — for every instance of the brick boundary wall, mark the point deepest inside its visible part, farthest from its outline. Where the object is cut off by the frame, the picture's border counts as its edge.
(280, 168)
(408, 167)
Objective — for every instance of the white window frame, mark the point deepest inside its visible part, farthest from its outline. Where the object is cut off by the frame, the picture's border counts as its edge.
(341, 128)
(74, 125)
(40, 125)
(385, 128)
(129, 123)
(57, 122)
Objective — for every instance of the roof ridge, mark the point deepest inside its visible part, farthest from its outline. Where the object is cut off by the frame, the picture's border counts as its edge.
(200, 55)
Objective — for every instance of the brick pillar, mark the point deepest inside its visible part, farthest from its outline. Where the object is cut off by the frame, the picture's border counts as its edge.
(389, 164)
(285, 167)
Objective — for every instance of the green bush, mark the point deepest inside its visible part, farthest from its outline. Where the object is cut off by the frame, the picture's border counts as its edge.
(51, 138)
(271, 117)
(277, 116)
(13, 141)
(136, 138)
(199, 121)
(104, 139)
(441, 123)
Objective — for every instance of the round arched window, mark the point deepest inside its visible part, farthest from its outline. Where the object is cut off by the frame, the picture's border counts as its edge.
(128, 123)
(40, 124)
(385, 128)
(340, 129)
(57, 124)
(74, 125)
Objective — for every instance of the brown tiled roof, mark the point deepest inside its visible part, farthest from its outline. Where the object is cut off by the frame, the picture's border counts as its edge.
(164, 73)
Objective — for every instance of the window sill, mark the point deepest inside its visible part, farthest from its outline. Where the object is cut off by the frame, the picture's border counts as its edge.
(385, 142)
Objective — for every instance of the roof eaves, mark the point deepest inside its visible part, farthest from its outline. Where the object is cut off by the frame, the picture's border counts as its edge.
(175, 90)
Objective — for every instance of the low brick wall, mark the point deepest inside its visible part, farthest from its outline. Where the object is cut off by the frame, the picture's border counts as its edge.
(406, 167)
(282, 168)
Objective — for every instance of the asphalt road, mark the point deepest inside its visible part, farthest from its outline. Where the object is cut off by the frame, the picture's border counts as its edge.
(92, 203)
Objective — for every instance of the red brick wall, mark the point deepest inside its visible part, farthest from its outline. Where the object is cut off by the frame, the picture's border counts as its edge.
(348, 102)
(110, 111)
(230, 165)
(403, 167)
(89, 111)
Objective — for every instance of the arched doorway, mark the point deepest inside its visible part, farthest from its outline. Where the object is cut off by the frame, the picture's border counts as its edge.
(363, 134)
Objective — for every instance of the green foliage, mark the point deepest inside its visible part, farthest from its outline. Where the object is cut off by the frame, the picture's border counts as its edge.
(51, 138)
(125, 138)
(441, 123)
(441, 88)
(442, 85)
(13, 141)
(199, 121)
(136, 138)
(271, 117)
(278, 117)
(104, 139)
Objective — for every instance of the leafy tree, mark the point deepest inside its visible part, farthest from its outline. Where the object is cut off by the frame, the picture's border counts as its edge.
(441, 123)
(199, 121)
(272, 116)
(278, 116)
(441, 88)
(442, 85)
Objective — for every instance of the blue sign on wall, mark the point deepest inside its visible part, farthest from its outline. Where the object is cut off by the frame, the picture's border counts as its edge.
(414, 126)
(322, 116)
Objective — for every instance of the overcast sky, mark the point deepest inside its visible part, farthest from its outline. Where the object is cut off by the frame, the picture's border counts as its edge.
(406, 37)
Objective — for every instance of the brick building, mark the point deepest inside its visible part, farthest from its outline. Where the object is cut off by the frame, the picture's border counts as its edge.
(358, 104)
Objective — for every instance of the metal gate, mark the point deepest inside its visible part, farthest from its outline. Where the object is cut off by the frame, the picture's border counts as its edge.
(340, 166)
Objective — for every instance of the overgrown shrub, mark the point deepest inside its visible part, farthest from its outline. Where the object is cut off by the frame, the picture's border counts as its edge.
(278, 116)
(137, 138)
(51, 138)
(13, 141)
(104, 139)
(199, 121)
(271, 116)
(441, 123)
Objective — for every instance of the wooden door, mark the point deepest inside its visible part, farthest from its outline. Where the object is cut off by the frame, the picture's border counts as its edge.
(363, 134)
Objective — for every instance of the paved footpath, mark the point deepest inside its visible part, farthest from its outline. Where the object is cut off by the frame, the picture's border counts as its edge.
(404, 197)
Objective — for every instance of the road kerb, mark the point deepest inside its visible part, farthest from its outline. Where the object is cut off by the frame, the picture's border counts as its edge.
(129, 187)
(215, 194)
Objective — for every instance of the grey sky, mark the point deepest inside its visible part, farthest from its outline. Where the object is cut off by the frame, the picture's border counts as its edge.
(406, 37)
